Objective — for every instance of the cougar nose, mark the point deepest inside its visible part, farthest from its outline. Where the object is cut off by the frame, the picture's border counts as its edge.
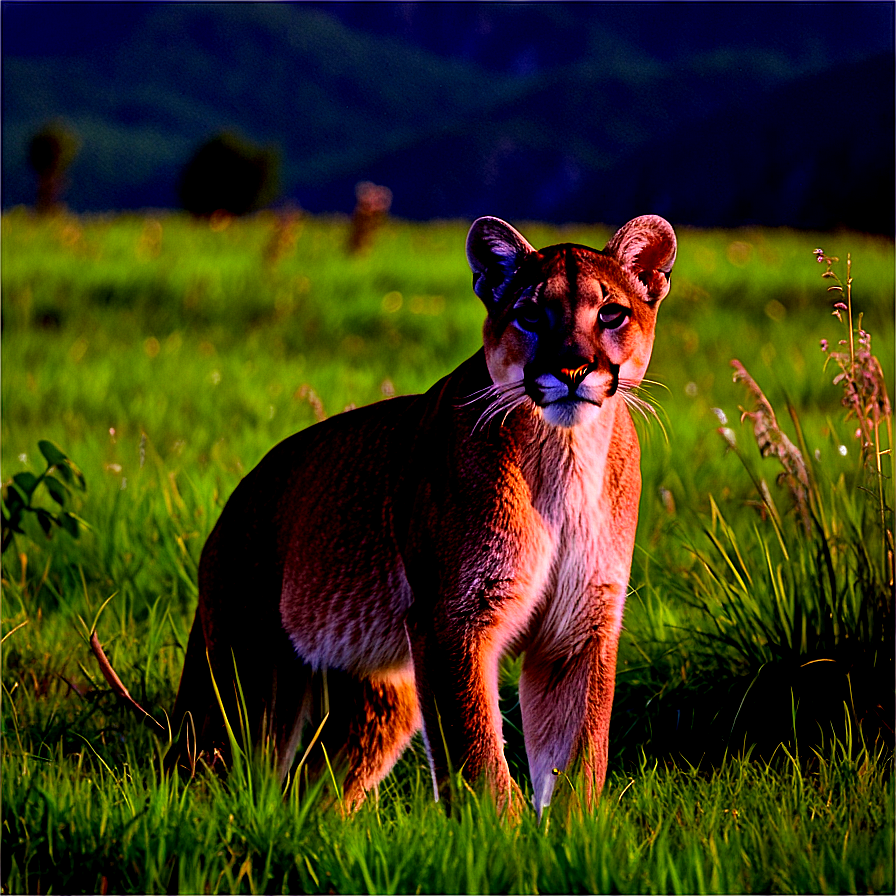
(572, 376)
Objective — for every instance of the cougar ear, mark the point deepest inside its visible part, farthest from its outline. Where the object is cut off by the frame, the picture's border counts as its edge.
(646, 246)
(495, 251)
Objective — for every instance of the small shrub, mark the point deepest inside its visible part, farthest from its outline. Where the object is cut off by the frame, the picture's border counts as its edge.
(229, 174)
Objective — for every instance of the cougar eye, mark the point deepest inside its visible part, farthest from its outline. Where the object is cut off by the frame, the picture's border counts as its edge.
(530, 318)
(613, 316)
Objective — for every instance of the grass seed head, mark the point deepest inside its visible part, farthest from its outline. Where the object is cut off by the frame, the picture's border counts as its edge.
(773, 442)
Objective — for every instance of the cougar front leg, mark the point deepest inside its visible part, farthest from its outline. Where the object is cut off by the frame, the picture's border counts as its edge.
(456, 674)
(566, 698)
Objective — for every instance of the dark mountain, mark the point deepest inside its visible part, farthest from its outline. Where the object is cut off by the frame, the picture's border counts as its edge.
(715, 114)
(516, 38)
(279, 74)
(816, 153)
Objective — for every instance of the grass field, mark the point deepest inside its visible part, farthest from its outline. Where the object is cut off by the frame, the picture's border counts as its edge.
(752, 736)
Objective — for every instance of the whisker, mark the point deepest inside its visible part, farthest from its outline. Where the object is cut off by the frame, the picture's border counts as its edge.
(519, 402)
(501, 399)
(496, 396)
(479, 394)
(638, 391)
(630, 391)
(503, 402)
(646, 382)
(639, 404)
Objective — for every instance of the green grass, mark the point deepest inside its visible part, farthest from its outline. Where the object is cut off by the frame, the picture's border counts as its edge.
(743, 827)
(752, 733)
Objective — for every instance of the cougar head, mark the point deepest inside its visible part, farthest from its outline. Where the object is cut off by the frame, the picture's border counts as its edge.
(568, 326)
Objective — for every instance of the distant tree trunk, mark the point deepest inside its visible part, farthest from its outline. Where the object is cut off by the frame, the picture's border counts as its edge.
(371, 210)
(50, 152)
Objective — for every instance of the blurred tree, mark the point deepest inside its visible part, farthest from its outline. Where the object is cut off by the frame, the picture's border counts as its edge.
(50, 152)
(229, 174)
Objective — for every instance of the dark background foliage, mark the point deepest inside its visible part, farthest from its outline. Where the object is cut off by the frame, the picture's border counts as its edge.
(713, 114)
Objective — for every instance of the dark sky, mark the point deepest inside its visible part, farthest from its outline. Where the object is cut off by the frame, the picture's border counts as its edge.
(666, 31)
(720, 113)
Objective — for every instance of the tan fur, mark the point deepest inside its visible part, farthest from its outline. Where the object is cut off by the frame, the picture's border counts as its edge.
(379, 564)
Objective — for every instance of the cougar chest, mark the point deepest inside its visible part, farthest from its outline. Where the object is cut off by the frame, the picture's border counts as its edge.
(581, 480)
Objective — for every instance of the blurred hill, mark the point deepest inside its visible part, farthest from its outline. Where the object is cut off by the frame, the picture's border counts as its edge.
(712, 114)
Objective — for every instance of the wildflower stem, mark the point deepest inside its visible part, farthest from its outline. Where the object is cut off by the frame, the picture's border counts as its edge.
(870, 428)
(865, 397)
(887, 532)
(852, 348)
(880, 496)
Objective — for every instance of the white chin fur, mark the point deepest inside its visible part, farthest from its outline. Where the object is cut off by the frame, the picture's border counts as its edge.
(569, 413)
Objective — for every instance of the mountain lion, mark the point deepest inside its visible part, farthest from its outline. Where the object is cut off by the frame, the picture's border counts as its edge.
(381, 562)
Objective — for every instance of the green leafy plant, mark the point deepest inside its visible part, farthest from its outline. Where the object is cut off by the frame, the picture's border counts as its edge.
(57, 479)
